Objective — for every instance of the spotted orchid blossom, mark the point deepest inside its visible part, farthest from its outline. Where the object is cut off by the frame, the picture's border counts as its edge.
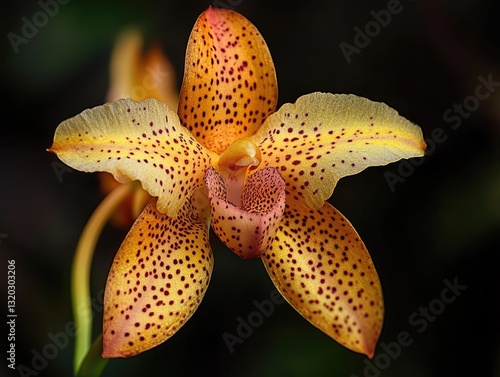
(259, 177)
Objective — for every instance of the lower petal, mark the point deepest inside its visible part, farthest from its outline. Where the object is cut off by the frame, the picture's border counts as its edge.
(158, 279)
(322, 268)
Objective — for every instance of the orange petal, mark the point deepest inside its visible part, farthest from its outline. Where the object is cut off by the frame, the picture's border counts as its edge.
(229, 84)
(137, 76)
(324, 137)
(157, 280)
(247, 231)
(322, 268)
(138, 141)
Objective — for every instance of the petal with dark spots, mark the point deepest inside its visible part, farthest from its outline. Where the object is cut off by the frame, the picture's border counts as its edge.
(158, 279)
(324, 137)
(322, 268)
(229, 86)
(249, 230)
(136, 141)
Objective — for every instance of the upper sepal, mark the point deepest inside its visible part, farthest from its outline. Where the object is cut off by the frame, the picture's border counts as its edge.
(229, 86)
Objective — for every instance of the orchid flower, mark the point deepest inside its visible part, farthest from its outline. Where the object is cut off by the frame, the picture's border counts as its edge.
(258, 177)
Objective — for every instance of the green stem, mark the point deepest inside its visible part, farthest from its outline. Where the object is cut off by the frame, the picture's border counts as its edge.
(80, 274)
(139, 200)
(93, 364)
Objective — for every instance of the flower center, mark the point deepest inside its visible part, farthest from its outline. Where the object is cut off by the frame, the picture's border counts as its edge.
(234, 164)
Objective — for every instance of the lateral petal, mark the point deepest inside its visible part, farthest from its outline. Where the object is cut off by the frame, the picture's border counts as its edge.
(322, 268)
(247, 231)
(229, 84)
(324, 137)
(136, 141)
(158, 279)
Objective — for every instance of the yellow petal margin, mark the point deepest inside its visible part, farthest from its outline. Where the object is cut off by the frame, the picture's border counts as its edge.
(229, 85)
(138, 141)
(322, 268)
(158, 278)
(324, 137)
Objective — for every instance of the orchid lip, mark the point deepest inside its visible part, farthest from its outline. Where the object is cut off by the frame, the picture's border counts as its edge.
(248, 226)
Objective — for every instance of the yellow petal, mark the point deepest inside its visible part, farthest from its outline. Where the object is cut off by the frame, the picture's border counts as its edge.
(137, 76)
(136, 140)
(322, 268)
(229, 85)
(324, 137)
(157, 280)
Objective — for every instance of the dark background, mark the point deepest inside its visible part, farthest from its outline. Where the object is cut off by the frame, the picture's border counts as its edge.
(441, 223)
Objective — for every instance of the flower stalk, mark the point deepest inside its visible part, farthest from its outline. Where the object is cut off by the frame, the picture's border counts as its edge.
(93, 364)
(80, 274)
